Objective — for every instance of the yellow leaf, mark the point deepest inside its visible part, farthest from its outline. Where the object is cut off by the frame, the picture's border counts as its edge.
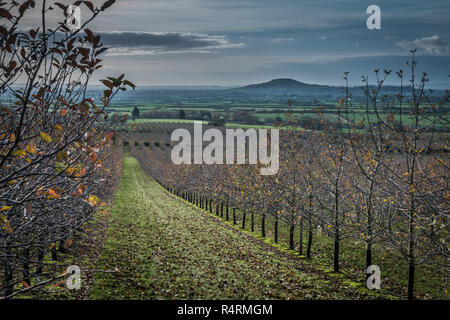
(45, 137)
(17, 153)
(31, 148)
(5, 208)
(93, 200)
(58, 127)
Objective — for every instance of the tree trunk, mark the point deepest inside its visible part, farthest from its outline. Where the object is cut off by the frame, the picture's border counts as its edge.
(310, 236)
(291, 237)
(61, 247)
(8, 272)
(252, 222)
(234, 216)
(243, 219)
(336, 254)
(300, 247)
(276, 230)
(411, 272)
(40, 257)
(336, 231)
(368, 254)
(54, 254)
(263, 226)
(226, 214)
(26, 266)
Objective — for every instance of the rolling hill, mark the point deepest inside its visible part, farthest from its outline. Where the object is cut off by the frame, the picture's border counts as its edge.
(285, 86)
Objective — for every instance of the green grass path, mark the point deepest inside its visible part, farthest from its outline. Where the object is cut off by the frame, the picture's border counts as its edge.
(164, 248)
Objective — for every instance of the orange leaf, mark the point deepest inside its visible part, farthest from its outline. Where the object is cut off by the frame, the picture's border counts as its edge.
(108, 136)
(68, 243)
(52, 194)
(93, 157)
(58, 284)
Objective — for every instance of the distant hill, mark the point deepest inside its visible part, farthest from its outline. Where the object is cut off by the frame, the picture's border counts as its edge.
(293, 88)
(283, 84)
(286, 86)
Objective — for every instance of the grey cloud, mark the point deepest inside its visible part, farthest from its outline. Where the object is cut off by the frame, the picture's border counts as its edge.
(138, 43)
(433, 45)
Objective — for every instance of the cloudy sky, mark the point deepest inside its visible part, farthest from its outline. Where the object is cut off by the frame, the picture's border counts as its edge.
(235, 42)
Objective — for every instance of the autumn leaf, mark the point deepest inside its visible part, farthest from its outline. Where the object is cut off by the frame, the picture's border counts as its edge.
(5, 208)
(69, 171)
(17, 153)
(5, 13)
(108, 136)
(82, 172)
(52, 194)
(93, 200)
(45, 137)
(58, 283)
(93, 157)
(31, 148)
(59, 166)
(68, 243)
(39, 191)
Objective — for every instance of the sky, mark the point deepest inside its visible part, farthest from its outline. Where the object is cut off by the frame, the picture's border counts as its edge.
(239, 42)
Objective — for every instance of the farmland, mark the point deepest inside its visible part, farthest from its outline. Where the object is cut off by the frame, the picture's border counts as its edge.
(152, 141)
(225, 105)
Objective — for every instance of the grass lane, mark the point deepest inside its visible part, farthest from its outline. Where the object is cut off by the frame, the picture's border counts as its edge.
(164, 248)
